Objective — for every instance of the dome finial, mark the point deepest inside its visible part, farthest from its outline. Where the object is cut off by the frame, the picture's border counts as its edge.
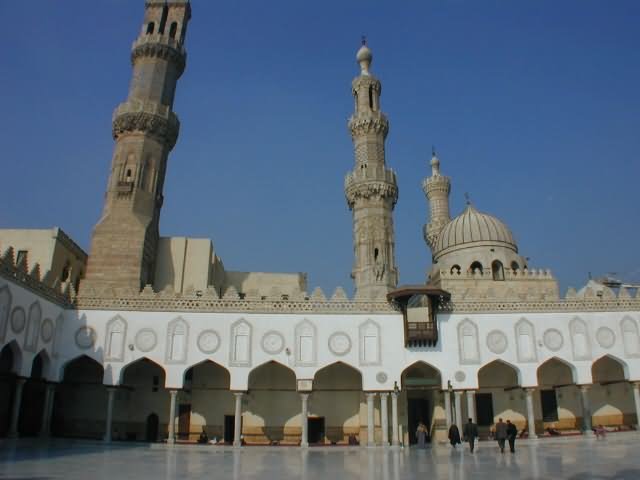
(364, 57)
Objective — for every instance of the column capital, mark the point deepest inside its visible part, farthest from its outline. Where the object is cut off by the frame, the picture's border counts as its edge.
(384, 394)
(21, 380)
(370, 394)
(458, 393)
(635, 383)
(529, 390)
(113, 388)
(238, 394)
(304, 395)
(585, 387)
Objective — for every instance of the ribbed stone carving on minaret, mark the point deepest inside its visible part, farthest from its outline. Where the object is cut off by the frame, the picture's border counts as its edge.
(145, 130)
(436, 188)
(371, 189)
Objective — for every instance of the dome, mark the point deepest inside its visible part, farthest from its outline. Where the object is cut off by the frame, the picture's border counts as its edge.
(473, 227)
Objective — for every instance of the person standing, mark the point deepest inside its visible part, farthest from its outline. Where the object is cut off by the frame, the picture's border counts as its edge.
(454, 435)
(421, 435)
(470, 434)
(512, 433)
(501, 434)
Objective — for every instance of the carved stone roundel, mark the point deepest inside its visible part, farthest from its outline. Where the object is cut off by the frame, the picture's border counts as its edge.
(208, 341)
(497, 341)
(146, 340)
(381, 377)
(605, 337)
(85, 337)
(552, 339)
(273, 342)
(460, 376)
(46, 331)
(340, 343)
(18, 320)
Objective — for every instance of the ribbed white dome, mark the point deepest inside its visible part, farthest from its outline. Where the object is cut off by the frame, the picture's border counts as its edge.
(473, 226)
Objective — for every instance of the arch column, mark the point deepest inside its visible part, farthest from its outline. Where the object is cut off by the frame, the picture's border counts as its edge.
(384, 417)
(531, 420)
(49, 394)
(237, 420)
(15, 410)
(371, 439)
(471, 404)
(457, 400)
(304, 442)
(586, 410)
(111, 391)
(171, 436)
(636, 400)
(395, 439)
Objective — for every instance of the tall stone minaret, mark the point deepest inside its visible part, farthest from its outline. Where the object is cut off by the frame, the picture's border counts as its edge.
(371, 189)
(436, 188)
(145, 129)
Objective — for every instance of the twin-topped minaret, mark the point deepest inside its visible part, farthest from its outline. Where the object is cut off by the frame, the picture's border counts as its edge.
(437, 188)
(124, 243)
(371, 189)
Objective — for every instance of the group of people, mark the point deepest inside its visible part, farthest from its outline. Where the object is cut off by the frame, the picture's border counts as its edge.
(504, 432)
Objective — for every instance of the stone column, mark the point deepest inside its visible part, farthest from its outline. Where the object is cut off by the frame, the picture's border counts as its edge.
(531, 418)
(371, 439)
(395, 439)
(471, 404)
(15, 411)
(636, 400)
(586, 410)
(304, 442)
(171, 437)
(457, 396)
(447, 407)
(237, 424)
(45, 425)
(384, 417)
(111, 391)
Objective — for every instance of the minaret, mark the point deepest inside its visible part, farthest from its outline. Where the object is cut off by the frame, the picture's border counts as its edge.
(371, 188)
(145, 129)
(436, 188)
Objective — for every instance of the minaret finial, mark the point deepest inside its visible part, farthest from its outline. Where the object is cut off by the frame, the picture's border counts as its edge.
(467, 198)
(435, 162)
(433, 150)
(364, 39)
(364, 57)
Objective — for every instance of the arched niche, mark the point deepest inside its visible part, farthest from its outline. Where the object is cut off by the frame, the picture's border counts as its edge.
(468, 346)
(116, 334)
(630, 337)
(177, 341)
(525, 341)
(5, 310)
(370, 343)
(33, 327)
(580, 341)
(241, 344)
(306, 343)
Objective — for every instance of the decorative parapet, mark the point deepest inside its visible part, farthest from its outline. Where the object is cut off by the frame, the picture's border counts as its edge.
(560, 306)
(151, 118)
(487, 274)
(160, 46)
(358, 186)
(371, 122)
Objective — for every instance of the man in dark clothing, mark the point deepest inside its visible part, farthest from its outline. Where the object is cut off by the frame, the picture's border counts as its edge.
(501, 434)
(470, 432)
(512, 433)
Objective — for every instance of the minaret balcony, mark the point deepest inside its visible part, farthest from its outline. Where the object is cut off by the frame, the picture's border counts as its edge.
(148, 117)
(160, 46)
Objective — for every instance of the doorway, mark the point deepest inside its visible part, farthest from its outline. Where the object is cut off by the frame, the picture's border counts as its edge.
(484, 409)
(549, 404)
(229, 425)
(315, 432)
(184, 420)
(418, 411)
(151, 434)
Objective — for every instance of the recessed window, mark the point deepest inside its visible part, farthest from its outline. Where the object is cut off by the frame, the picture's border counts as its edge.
(173, 30)
(22, 257)
(514, 266)
(497, 270)
(150, 28)
(455, 270)
(476, 266)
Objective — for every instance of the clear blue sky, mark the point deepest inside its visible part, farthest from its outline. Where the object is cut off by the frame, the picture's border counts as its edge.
(534, 108)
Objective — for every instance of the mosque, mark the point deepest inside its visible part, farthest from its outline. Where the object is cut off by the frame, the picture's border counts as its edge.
(151, 338)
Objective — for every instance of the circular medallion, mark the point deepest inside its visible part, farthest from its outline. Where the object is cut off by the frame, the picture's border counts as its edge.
(18, 320)
(552, 339)
(339, 343)
(605, 337)
(381, 377)
(497, 341)
(460, 376)
(85, 337)
(272, 342)
(146, 340)
(208, 341)
(46, 331)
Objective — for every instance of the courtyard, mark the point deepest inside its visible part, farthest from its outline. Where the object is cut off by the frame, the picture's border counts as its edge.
(574, 459)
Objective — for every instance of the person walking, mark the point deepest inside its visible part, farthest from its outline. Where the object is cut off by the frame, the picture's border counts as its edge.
(421, 435)
(501, 434)
(470, 434)
(454, 435)
(512, 433)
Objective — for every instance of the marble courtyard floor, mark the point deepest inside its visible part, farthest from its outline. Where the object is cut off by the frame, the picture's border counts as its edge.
(617, 457)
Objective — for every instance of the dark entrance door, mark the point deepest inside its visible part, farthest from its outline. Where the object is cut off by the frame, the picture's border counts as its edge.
(418, 410)
(152, 428)
(315, 430)
(229, 421)
(549, 405)
(184, 420)
(484, 409)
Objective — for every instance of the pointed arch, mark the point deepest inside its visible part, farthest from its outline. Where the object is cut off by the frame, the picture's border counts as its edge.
(337, 375)
(115, 339)
(41, 365)
(241, 342)
(143, 366)
(556, 372)
(177, 341)
(193, 373)
(370, 343)
(525, 341)
(11, 358)
(580, 341)
(5, 309)
(272, 375)
(609, 368)
(306, 349)
(468, 346)
(499, 373)
(630, 337)
(421, 373)
(82, 369)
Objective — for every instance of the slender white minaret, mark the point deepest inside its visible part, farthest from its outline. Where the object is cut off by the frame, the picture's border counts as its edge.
(436, 188)
(371, 188)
